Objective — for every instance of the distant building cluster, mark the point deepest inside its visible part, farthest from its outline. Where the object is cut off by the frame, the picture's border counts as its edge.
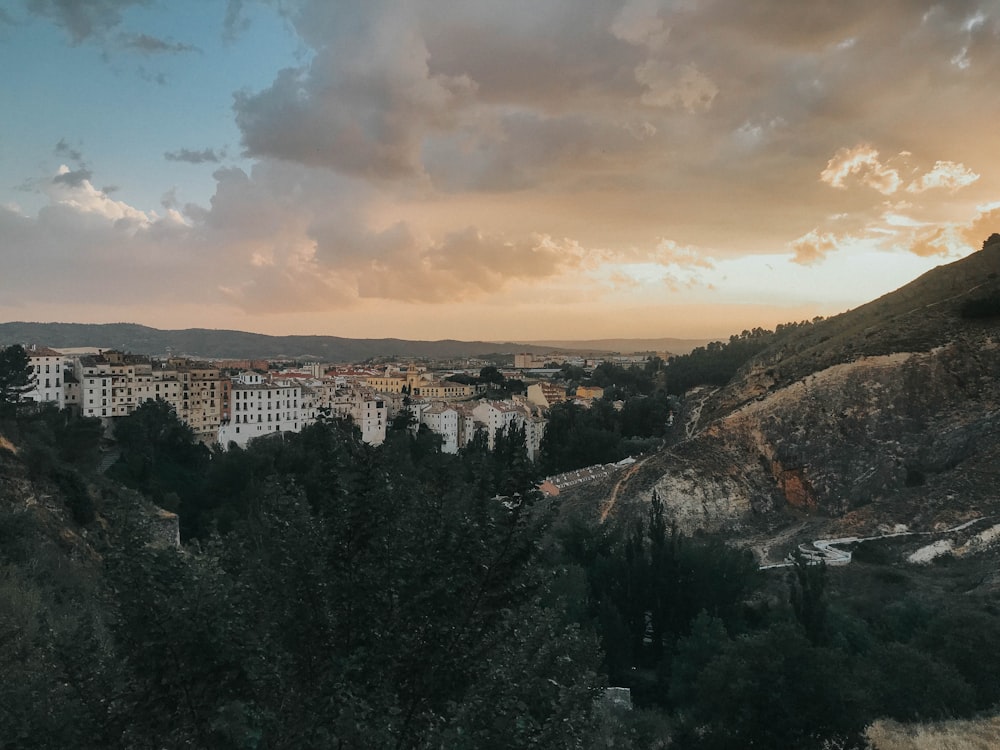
(235, 401)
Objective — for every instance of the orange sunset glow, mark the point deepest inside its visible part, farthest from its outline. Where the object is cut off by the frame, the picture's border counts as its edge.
(483, 170)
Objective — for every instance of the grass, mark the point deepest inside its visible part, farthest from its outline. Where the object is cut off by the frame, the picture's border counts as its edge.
(973, 734)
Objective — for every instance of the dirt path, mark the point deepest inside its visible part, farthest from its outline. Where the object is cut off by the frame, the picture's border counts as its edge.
(609, 504)
(694, 416)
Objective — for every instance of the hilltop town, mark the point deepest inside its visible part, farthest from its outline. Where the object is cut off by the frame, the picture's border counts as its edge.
(234, 401)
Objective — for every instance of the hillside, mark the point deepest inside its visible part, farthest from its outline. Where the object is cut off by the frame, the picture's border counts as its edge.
(204, 342)
(626, 346)
(884, 415)
(225, 344)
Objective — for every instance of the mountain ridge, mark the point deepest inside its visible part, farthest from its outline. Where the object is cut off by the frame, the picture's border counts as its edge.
(232, 344)
(886, 414)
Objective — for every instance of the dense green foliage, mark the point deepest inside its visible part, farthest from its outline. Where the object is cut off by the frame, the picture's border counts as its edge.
(396, 596)
(160, 457)
(732, 661)
(981, 307)
(363, 597)
(16, 377)
(716, 363)
(578, 436)
(495, 383)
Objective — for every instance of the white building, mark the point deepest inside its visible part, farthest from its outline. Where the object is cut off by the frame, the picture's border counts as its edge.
(371, 415)
(445, 421)
(504, 415)
(367, 409)
(48, 368)
(262, 407)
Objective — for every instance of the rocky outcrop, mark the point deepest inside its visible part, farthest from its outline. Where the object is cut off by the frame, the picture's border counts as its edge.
(889, 413)
(909, 434)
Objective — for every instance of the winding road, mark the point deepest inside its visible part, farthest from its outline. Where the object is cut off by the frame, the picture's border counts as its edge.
(826, 550)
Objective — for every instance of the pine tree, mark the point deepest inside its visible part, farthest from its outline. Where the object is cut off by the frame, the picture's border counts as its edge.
(16, 377)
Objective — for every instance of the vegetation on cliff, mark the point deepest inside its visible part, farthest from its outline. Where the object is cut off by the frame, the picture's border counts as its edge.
(401, 597)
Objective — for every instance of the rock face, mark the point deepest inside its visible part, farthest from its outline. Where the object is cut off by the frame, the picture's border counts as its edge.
(841, 422)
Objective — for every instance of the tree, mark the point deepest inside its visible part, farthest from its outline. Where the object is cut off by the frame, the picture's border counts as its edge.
(16, 377)
(775, 689)
(807, 585)
(490, 374)
(161, 457)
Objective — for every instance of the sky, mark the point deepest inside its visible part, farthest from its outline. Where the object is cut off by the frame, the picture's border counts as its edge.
(474, 169)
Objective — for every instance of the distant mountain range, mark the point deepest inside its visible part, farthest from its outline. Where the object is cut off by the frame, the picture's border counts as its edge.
(628, 346)
(223, 344)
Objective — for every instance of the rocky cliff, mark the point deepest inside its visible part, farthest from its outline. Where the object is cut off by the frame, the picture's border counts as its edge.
(887, 414)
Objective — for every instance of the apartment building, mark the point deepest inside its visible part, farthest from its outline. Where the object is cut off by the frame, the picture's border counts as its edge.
(112, 383)
(367, 409)
(260, 408)
(446, 421)
(545, 394)
(443, 389)
(49, 370)
(201, 396)
(505, 415)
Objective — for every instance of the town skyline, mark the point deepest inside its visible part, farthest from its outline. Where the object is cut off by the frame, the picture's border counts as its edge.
(429, 170)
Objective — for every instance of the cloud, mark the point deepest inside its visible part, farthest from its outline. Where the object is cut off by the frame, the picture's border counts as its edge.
(151, 76)
(983, 225)
(151, 45)
(73, 178)
(861, 163)
(502, 150)
(668, 252)
(812, 248)
(362, 106)
(62, 148)
(665, 81)
(235, 23)
(926, 242)
(73, 189)
(947, 175)
(83, 19)
(85, 246)
(193, 156)
(669, 85)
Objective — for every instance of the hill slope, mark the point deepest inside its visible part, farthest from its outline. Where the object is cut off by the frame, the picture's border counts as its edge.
(203, 342)
(888, 414)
